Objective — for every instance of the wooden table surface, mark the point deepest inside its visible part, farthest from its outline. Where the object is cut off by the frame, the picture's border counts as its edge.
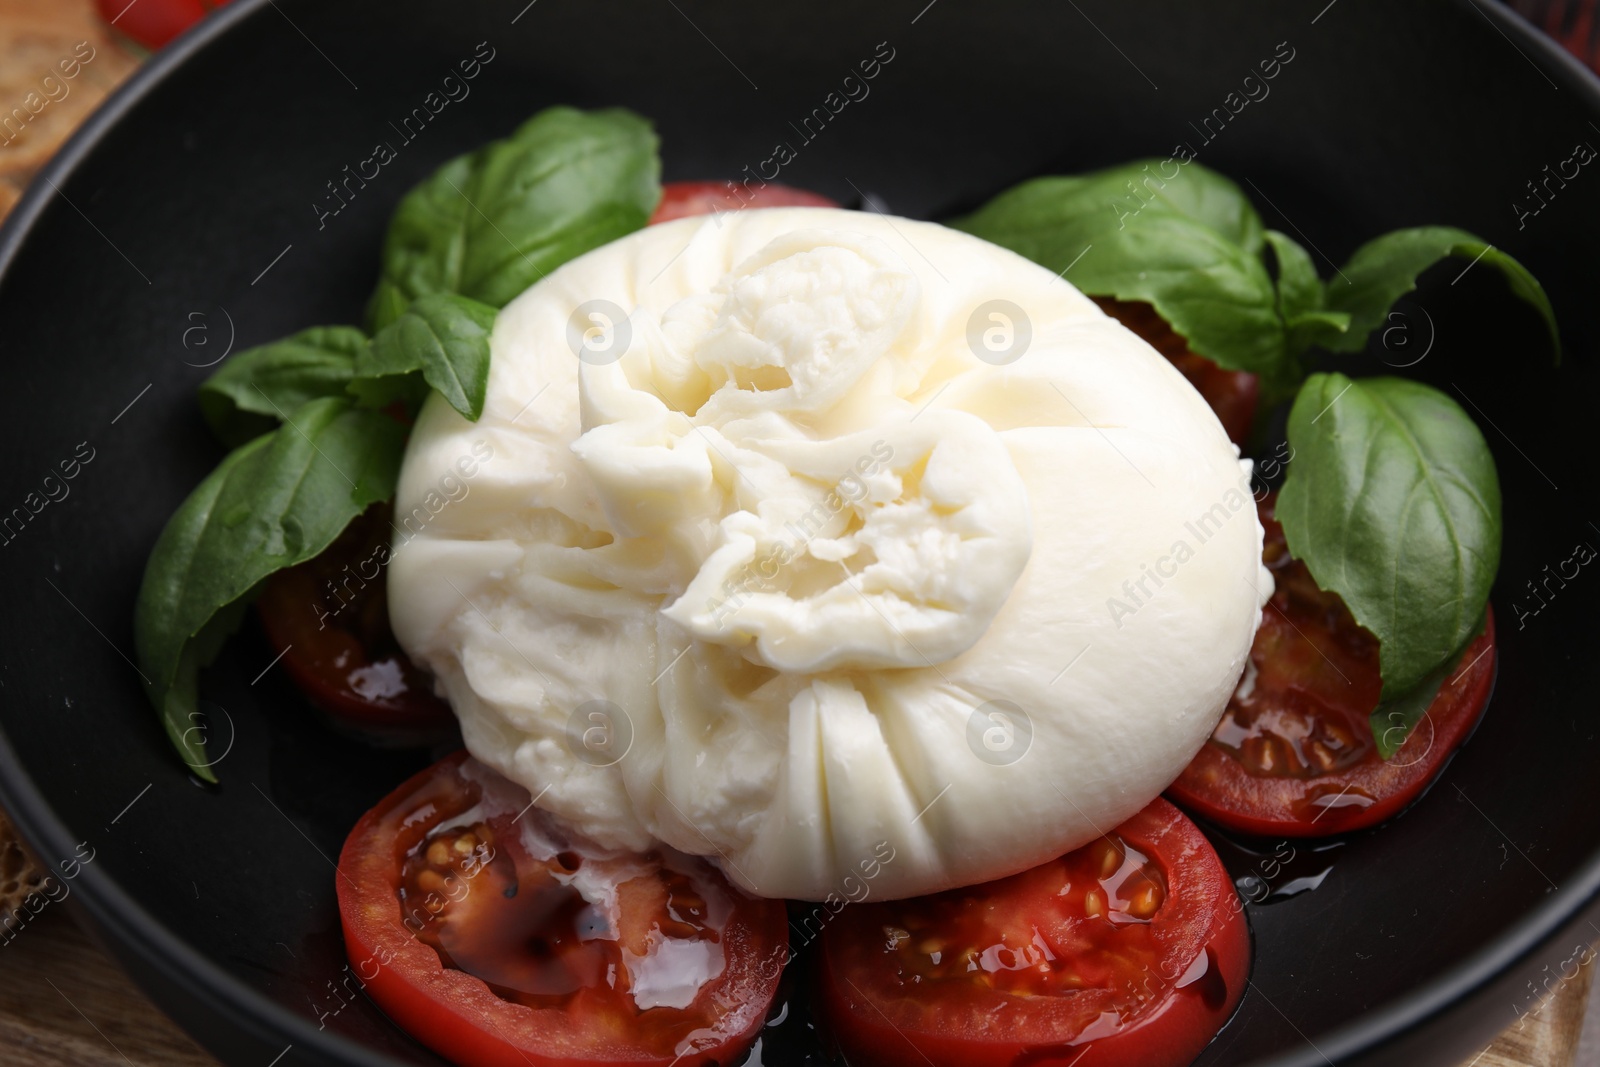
(63, 1003)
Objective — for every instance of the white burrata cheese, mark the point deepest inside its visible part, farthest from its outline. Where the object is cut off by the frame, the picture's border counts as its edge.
(846, 551)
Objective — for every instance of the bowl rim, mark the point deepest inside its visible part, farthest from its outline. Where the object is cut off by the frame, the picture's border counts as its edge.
(129, 927)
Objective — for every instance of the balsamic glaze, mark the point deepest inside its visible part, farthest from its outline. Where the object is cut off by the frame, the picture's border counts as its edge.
(1269, 872)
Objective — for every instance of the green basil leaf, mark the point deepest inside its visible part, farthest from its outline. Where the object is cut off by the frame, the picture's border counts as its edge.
(253, 391)
(1299, 288)
(272, 503)
(1392, 501)
(1302, 297)
(1121, 196)
(425, 242)
(1393, 720)
(1312, 329)
(1386, 268)
(489, 224)
(1191, 248)
(444, 336)
(1126, 191)
(406, 390)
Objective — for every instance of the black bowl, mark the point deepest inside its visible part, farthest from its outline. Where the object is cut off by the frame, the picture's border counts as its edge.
(189, 214)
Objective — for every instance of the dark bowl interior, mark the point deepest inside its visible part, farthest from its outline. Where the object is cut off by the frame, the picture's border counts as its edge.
(189, 203)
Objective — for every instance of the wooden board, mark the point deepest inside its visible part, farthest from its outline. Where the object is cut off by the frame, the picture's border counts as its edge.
(40, 103)
(63, 1003)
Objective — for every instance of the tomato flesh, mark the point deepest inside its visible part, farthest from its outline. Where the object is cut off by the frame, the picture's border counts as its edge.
(1233, 395)
(328, 619)
(496, 942)
(1294, 754)
(1132, 949)
(680, 200)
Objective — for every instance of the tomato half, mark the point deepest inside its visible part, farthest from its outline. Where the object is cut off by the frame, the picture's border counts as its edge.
(1130, 950)
(498, 943)
(681, 199)
(1294, 754)
(328, 619)
(154, 23)
(1233, 395)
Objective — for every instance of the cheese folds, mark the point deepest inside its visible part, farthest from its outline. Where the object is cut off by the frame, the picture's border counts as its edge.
(822, 543)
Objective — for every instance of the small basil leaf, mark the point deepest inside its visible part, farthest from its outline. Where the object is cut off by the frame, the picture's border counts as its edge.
(490, 224)
(389, 300)
(1299, 288)
(444, 336)
(1311, 329)
(1167, 249)
(1301, 297)
(253, 391)
(1393, 502)
(272, 503)
(1386, 268)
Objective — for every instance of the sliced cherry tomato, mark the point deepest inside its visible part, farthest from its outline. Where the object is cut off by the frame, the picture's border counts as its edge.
(498, 943)
(681, 199)
(1130, 950)
(328, 618)
(1232, 394)
(154, 23)
(1294, 754)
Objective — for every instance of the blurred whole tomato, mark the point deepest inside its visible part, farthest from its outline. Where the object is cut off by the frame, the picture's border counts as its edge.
(152, 23)
(1573, 23)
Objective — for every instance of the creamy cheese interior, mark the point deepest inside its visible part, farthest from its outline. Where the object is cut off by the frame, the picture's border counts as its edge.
(803, 538)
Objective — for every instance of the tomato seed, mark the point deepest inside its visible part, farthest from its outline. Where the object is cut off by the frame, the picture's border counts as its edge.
(1146, 902)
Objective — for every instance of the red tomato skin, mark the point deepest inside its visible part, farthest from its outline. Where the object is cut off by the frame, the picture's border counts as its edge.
(680, 200)
(1453, 717)
(1217, 787)
(154, 23)
(1172, 1035)
(418, 717)
(328, 645)
(458, 1016)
